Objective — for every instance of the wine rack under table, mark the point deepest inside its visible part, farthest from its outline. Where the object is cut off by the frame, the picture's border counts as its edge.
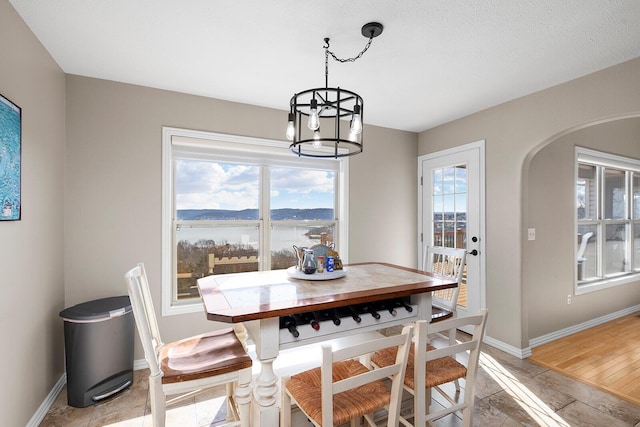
(326, 328)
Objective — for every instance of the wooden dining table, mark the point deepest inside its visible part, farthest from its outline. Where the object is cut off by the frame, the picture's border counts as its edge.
(259, 299)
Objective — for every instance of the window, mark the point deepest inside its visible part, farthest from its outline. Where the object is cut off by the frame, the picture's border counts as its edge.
(234, 204)
(607, 195)
(450, 206)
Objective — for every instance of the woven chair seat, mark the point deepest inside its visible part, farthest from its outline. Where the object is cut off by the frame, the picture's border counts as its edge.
(305, 388)
(439, 371)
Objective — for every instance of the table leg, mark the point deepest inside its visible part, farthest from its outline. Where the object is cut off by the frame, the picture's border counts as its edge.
(265, 411)
(266, 335)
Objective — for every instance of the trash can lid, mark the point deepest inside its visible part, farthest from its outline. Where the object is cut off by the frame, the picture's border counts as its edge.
(97, 310)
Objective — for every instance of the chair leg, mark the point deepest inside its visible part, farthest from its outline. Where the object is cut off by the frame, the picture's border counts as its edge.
(285, 404)
(466, 417)
(231, 411)
(452, 341)
(242, 394)
(157, 401)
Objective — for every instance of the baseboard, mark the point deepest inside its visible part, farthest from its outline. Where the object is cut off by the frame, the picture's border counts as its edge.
(535, 342)
(37, 418)
(140, 364)
(520, 353)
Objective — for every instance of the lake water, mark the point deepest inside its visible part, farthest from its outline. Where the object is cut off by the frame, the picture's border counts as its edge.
(281, 237)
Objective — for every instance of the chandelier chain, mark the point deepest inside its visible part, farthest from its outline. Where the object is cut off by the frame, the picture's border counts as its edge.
(358, 56)
(327, 52)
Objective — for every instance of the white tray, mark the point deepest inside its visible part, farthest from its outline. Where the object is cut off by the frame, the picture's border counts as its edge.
(294, 273)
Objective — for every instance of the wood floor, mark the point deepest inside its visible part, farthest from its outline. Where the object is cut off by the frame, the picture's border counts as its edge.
(606, 357)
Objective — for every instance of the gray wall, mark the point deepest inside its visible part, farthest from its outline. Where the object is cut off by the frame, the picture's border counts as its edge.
(514, 133)
(31, 250)
(113, 171)
(548, 262)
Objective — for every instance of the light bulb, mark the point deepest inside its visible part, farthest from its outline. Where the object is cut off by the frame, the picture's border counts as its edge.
(291, 129)
(356, 121)
(314, 118)
(316, 139)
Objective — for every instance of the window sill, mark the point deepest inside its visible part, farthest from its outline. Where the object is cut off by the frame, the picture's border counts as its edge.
(587, 287)
(185, 307)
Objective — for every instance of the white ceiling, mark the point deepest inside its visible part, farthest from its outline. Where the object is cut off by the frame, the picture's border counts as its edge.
(436, 61)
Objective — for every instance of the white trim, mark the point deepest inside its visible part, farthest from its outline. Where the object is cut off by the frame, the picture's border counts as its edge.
(520, 353)
(44, 407)
(599, 158)
(544, 339)
(140, 364)
(598, 285)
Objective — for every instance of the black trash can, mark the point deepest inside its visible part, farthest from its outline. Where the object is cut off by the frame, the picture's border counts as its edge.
(98, 338)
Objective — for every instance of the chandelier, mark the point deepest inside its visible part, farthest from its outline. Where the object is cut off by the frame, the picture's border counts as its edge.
(327, 122)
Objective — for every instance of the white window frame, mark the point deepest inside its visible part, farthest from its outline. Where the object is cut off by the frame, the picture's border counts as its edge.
(220, 147)
(607, 160)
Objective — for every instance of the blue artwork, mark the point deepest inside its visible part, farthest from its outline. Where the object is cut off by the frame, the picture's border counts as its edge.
(10, 153)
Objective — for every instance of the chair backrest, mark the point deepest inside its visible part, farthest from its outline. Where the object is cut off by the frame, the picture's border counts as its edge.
(457, 351)
(583, 244)
(144, 315)
(396, 372)
(448, 262)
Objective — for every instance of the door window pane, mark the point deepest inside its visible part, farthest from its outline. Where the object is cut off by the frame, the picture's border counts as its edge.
(449, 203)
(437, 182)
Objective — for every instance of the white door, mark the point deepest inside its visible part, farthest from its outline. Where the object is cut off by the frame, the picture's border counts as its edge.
(452, 213)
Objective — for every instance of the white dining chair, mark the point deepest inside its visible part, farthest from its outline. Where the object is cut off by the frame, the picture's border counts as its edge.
(451, 263)
(344, 390)
(429, 368)
(191, 365)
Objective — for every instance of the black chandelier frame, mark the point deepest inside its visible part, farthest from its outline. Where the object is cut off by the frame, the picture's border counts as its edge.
(334, 107)
(334, 104)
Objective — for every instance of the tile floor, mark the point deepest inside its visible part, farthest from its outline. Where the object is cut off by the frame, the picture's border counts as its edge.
(509, 392)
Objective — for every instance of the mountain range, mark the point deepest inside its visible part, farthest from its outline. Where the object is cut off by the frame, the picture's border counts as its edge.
(253, 214)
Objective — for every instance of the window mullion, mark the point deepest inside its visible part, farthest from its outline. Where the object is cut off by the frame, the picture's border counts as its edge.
(265, 218)
(601, 242)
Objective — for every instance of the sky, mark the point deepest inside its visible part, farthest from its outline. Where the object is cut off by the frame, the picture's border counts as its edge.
(212, 185)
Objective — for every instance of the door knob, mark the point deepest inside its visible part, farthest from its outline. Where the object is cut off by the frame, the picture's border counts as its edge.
(474, 252)
(474, 239)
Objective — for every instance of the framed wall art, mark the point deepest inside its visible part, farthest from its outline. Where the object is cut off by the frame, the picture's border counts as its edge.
(10, 160)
